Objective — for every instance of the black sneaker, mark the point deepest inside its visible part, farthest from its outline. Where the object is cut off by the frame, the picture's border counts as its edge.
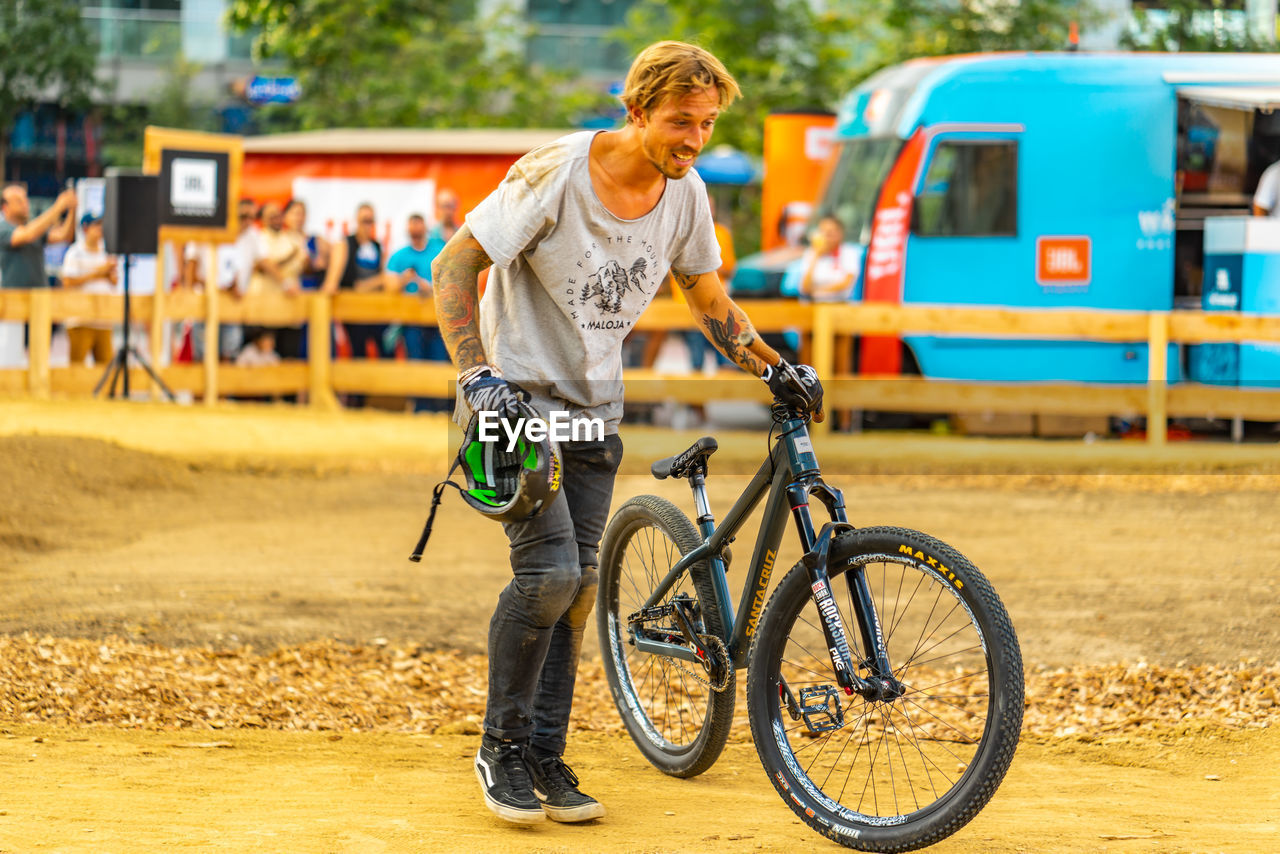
(504, 778)
(556, 786)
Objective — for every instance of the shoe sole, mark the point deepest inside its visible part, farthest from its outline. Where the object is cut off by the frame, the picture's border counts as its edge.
(511, 814)
(569, 815)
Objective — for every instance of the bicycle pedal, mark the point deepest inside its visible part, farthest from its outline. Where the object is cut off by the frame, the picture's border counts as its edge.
(820, 707)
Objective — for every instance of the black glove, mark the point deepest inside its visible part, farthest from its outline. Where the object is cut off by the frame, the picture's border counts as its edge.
(796, 387)
(488, 392)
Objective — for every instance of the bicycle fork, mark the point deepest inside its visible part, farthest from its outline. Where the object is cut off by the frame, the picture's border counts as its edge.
(880, 684)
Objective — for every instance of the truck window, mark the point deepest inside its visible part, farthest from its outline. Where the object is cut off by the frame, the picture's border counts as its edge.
(854, 187)
(970, 190)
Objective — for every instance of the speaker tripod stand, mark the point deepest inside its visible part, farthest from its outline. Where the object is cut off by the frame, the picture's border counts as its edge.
(118, 367)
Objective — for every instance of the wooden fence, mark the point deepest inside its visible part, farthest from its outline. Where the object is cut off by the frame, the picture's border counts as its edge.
(826, 331)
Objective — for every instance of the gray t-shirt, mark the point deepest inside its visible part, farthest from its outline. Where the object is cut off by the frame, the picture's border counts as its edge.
(570, 278)
(21, 267)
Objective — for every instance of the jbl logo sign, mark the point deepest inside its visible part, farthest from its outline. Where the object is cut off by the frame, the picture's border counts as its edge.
(1062, 260)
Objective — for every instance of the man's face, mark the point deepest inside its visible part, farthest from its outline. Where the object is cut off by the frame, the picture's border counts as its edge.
(417, 229)
(674, 132)
(93, 232)
(245, 213)
(365, 223)
(447, 208)
(16, 206)
(273, 217)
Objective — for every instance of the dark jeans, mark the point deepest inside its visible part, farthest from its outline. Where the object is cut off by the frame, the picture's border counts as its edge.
(536, 632)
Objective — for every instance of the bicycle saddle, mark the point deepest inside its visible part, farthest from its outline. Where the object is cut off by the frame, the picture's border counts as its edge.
(681, 465)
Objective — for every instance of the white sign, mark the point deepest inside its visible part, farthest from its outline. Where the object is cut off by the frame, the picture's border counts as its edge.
(193, 186)
(331, 206)
(818, 142)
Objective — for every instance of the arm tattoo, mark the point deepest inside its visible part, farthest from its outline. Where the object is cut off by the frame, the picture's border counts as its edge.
(684, 280)
(733, 336)
(456, 295)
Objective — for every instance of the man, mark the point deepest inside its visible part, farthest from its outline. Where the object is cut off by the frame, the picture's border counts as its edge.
(22, 252)
(234, 265)
(446, 221)
(87, 266)
(580, 233)
(1267, 195)
(277, 269)
(22, 242)
(412, 264)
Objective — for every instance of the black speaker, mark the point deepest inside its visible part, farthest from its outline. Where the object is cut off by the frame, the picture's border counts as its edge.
(131, 214)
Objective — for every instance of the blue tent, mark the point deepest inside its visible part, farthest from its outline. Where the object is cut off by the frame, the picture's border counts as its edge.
(726, 165)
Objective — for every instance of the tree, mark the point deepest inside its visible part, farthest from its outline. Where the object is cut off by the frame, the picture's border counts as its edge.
(783, 53)
(46, 54)
(408, 63)
(1195, 25)
(913, 28)
(787, 53)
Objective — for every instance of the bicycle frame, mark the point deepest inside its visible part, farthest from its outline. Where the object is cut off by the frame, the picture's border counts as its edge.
(790, 476)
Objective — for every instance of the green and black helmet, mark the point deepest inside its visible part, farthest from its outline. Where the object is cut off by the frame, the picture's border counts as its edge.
(509, 485)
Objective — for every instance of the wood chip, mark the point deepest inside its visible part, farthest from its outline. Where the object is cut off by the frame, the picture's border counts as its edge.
(337, 688)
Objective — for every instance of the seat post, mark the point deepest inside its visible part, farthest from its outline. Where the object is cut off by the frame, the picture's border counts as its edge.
(698, 483)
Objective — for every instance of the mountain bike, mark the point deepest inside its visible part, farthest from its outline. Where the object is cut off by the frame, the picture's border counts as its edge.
(884, 678)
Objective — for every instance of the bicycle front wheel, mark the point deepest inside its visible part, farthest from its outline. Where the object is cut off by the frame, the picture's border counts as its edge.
(679, 723)
(904, 773)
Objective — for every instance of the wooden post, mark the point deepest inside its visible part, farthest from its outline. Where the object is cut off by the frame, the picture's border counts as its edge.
(1157, 378)
(319, 342)
(212, 338)
(159, 318)
(824, 354)
(39, 342)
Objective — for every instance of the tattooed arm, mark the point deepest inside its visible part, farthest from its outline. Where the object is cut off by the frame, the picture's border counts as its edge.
(455, 272)
(725, 325)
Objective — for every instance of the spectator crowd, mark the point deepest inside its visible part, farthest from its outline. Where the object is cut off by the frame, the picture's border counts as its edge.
(276, 253)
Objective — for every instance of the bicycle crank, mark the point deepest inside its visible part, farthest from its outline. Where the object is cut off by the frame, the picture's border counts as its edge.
(709, 649)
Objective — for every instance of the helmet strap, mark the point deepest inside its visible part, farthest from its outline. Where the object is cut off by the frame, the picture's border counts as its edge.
(436, 495)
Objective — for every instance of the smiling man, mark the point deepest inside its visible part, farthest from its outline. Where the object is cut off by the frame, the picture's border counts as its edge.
(580, 234)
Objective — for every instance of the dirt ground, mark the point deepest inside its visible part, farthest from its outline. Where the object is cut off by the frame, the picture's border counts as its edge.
(267, 527)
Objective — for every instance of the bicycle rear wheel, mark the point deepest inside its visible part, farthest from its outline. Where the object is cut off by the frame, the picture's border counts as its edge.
(679, 723)
(900, 774)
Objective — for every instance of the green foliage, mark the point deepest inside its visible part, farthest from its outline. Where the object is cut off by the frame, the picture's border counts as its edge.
(783, 53)
(1192, 25)
(786, 54)
(912, 28)
(408, 63)
(45, 51)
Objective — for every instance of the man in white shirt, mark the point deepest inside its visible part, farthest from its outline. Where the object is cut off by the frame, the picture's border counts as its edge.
(1267, 195)
(234, 263)
(88, 267)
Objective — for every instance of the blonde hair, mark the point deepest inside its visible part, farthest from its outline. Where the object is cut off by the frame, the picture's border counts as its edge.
(671, 68)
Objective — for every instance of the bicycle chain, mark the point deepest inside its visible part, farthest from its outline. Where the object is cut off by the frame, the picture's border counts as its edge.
(721, 653)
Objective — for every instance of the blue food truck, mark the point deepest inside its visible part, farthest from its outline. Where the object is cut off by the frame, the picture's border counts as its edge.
(1047, 180)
